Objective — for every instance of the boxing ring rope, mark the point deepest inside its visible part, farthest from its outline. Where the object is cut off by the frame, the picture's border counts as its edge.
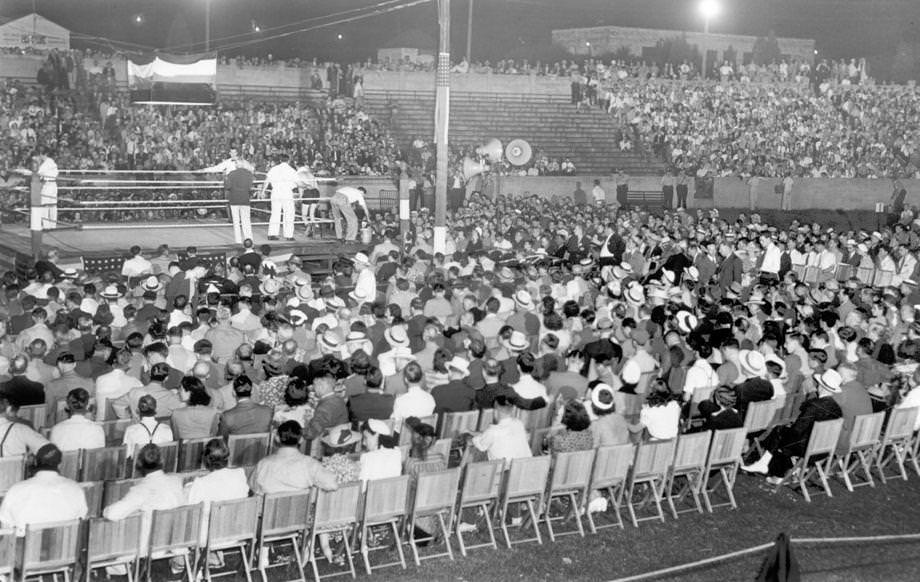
(84, 181)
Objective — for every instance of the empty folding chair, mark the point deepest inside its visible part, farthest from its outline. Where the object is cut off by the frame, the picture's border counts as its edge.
(12, 471)
(689, 464)
(897, 444)
(863, 441)
(722, 466)
(610, 472)
(525, 483)
(247, 449)
(481, 489)
(191, 454)
(486, 419)
(650, 468)
(34, 414)
(7, 553)
(70, 464)
(335, 512)
(284, 520)
(175, 532)
(569, 481)
(113, 491)
(433, 503)
(93, 491)
(104, 464)
(384, 506)
(818, 460)
(233, 525)
(51, 548)
(115, 543)
(115, 430)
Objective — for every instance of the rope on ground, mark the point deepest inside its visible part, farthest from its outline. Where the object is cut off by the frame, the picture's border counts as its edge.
(760, 548)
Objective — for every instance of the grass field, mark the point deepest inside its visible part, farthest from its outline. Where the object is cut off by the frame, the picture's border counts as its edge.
(613, 553)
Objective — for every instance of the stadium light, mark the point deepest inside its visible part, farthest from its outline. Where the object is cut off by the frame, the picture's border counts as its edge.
(709, 9)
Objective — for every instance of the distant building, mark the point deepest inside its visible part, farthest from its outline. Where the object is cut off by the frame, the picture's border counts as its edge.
(642, 42)
(34, 31)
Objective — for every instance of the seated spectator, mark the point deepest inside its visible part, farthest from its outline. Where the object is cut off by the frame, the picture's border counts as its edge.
(416, 401)
(575, 436)
(383, 458)
(660, 415)
(719, 412)
(220, 484)
(46, 497)
(16, 437)
(330, 410)
(20, 390)
(246, 417)
(297, 406)
(197, 419)
(507, 438)
(374, 402)
(287, 469)
(148, 430)
(609, 427)
(78, 431)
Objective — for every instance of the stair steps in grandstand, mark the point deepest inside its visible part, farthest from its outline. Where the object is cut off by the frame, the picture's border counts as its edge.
(550, 123)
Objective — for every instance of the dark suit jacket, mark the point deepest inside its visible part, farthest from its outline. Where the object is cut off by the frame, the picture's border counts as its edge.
(246, 417)
(730, 271)
(23, 392)
(455, 396)
(752, 390)
(795, 437)
(370, 405)
(330, 411)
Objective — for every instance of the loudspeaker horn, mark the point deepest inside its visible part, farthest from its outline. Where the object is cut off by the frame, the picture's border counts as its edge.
(518, 152)
(491, 151)
(472, 168)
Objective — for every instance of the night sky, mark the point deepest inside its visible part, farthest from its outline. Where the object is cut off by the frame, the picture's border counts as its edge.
(842, 28)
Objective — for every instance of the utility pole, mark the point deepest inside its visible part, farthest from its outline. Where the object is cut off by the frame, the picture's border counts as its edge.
(469, 34)
(442, 116)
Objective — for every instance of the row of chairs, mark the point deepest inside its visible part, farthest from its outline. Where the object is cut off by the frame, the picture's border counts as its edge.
(114, 463)
(706, 461)
(872, 446)
(869, 276)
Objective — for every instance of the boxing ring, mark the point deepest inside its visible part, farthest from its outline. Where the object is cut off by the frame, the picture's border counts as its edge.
(102, 213)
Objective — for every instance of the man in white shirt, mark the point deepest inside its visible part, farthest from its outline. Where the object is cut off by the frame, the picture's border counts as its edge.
(527, 387)
(226, 166)
(148, 430)
(342, 207)
(507, 438)
(770, 265)
(136, 266)
(283, 179)
(44, 190)
(115, 386)
(598, 193)
(45, 498)
(78, 431)
(366, 285)
(416, 401)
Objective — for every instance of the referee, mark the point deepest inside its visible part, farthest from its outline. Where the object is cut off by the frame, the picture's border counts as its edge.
(238, 184)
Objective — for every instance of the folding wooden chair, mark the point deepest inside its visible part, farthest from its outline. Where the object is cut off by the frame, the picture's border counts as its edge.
(435, 497)
(8, 553)
(759, 417)
(405, 433)
(536, 419)
(35, 415)
(284, 520)
(486, 419)
(248, 449)
(12, 471)
(722, 466)
(818, 460)
(191, 454)
(93, 491)
(233, 525)
(865, 275)
(790, 408)
(70, 464)
(384, 505)
(113, 491)
(455, 424)
(51, 548)
(538, 439)
(103, 464)
(610, 473)
(113, 543)
(570, 478)
(689, 464)
(864, 440)
(883, 279)
(844, 272)
(175, 531)
(897, 444)
(169, 453)
(811, 275)
(525, 483)
(115, 430)
(481, 489)
(650, 468)
(335, 512)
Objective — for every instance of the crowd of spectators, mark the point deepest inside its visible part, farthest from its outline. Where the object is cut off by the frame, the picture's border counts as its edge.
(621, 326)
